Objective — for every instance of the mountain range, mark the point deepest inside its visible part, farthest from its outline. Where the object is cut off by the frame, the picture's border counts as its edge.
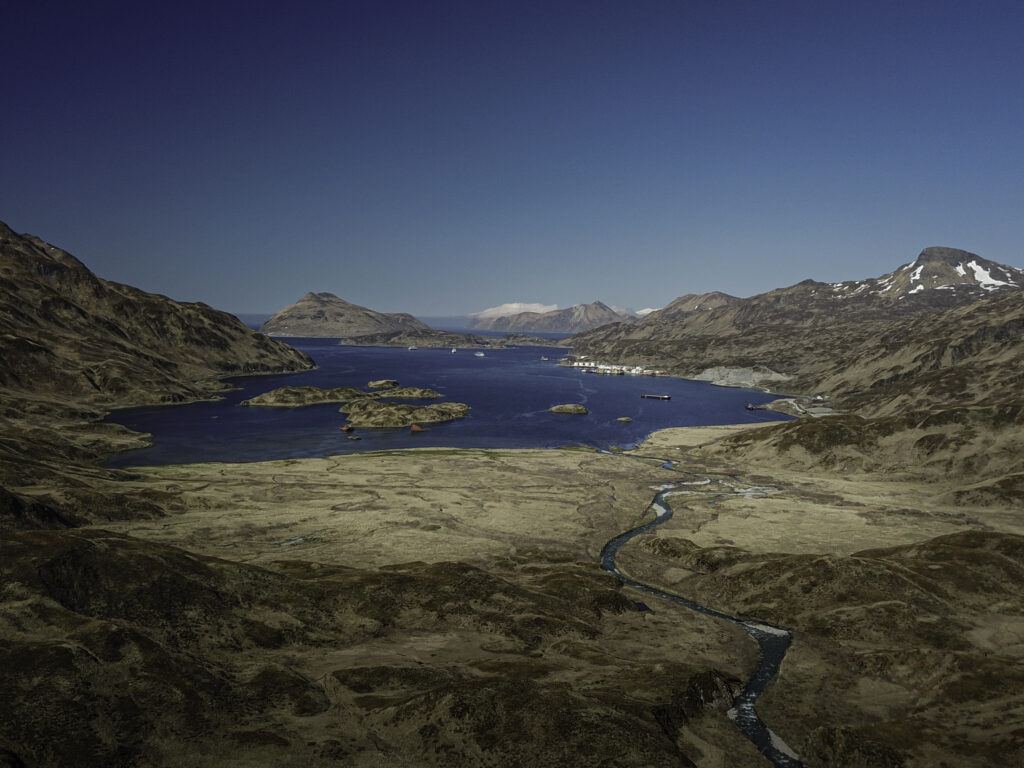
(581, 317)
(866, 342)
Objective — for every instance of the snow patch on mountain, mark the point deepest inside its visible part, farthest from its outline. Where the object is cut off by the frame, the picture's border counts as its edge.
(984, 277)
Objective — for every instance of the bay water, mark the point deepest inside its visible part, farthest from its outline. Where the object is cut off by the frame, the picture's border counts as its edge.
(508, 390)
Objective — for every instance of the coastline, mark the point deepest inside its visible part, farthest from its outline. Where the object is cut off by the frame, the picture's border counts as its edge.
(430, 499)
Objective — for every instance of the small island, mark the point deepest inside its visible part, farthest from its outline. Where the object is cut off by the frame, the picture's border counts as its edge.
(297, 397)
(409, 393)
(573, 408)
(373, 413)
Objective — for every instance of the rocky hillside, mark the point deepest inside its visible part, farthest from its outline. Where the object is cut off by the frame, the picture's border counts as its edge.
(71, 335)
(325, 315)
(71, 347)
(692, 302)
(122, 652)
(581, 317)
(946, 326)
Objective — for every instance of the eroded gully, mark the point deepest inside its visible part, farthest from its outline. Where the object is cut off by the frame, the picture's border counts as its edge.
(772, 641)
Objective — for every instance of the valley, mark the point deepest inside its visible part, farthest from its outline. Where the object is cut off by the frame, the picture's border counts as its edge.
(447, 607)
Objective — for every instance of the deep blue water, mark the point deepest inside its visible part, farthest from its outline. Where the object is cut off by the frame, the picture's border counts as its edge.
(509, 391)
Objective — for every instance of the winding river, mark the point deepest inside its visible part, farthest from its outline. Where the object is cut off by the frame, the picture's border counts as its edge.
(772, 641)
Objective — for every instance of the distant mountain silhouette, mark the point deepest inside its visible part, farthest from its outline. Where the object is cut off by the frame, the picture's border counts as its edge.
(325, 315)
(581, 317)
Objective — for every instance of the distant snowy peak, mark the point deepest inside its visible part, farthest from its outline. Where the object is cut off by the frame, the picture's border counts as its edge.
(936, 269)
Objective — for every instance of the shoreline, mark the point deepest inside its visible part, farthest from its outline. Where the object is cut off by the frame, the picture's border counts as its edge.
(439, 488)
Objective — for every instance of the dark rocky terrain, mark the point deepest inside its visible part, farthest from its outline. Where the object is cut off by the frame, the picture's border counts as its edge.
(366, 409)
(570, 408)
(324, 315)
(581, 317)
(297, 397)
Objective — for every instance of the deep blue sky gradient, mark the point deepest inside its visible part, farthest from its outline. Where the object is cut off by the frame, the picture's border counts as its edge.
(444, 157)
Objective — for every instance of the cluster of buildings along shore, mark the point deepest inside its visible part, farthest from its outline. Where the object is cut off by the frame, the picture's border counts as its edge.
(592, 366)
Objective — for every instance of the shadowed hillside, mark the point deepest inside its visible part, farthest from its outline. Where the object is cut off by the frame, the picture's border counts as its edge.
(70, 334)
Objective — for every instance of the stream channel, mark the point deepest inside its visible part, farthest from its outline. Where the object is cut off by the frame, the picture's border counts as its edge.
(772, 641)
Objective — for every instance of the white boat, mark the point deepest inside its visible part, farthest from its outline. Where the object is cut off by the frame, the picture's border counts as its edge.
(479, 354)
(413, 347)
(454, 350)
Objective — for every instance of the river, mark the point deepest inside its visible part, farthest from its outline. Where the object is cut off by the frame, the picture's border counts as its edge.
(772, 641)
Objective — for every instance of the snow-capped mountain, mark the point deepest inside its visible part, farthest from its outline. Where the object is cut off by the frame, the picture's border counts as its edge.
(937, 269)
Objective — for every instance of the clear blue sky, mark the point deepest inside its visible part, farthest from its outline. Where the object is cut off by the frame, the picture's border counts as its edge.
(444, 157)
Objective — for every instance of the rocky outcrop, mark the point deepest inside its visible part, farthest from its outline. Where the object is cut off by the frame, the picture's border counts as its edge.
(325, 315)
(180, 655)
(296, 397)
(373, 413)
(571, 408)
(409, 393)
(382, 384)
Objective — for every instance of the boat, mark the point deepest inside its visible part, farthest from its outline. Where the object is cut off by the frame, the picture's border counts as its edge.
(416, 428)
(657, 397)
(346, 428)
(479, 354)
(543, 358)
(413, 347)
(454, 350)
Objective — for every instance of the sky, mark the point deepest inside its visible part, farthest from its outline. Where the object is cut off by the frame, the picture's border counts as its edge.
(441, 158)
